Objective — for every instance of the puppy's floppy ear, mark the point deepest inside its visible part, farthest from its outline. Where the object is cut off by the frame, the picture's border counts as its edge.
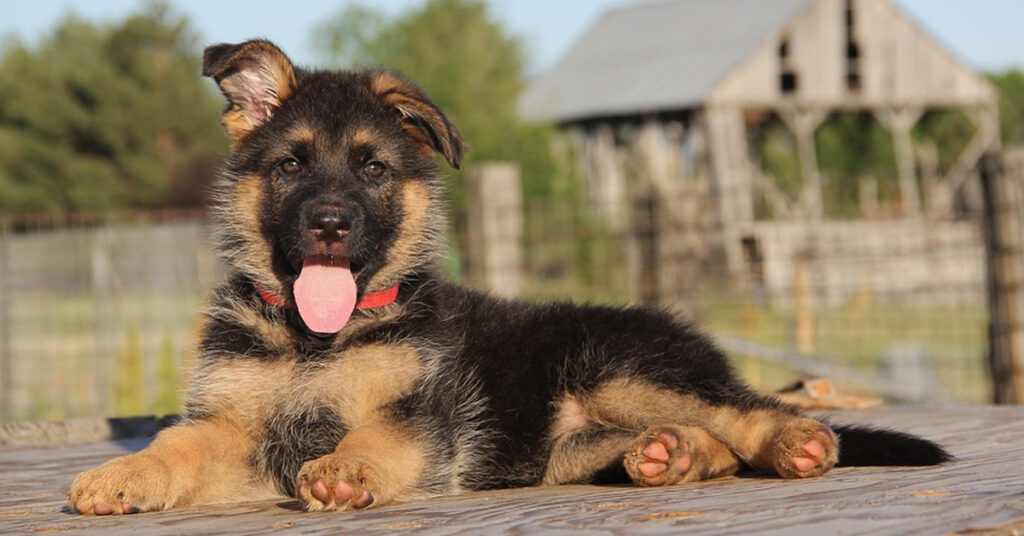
(256, 77)
(419, 115)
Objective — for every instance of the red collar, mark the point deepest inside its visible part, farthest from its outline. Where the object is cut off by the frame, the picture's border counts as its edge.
(369, 301)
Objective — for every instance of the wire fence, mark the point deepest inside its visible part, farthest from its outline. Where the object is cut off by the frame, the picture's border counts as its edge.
(98, 312)
(894, 308)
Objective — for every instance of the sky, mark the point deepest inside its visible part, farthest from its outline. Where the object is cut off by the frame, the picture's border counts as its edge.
(987, 34)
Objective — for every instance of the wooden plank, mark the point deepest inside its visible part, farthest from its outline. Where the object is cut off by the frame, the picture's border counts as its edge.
(984, 488)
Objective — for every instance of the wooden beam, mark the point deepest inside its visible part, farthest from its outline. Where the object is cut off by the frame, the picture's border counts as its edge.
(900, 121)
(985, 139)
(782, 205)
(730, 179)
(667, 230)
(730, 162)
(804, 122)
(605, 175)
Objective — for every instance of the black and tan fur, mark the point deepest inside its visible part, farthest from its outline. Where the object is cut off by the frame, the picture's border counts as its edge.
(446, 389)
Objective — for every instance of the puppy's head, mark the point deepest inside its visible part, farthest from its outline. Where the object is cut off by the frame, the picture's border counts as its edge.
(331, 190)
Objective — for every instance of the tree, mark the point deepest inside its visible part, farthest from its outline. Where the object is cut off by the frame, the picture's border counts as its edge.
(851, 146)
(1011, 105)
(98, 117)
(467, 63)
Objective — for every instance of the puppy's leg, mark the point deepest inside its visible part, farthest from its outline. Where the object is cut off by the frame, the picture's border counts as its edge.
(763, 433)
(373, 465)
(792, 446)
(197, 462)
(661, 455)
(579, 456)
(671, 454)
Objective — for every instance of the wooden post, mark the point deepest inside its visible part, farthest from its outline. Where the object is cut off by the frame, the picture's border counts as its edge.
(900, 121)
(641, 245)
(606, 179)
(730, 167)
(868, 194)
(669, 248)
(668, 228)
(6, 354)
(932, 189)
(1002, 184)
(804, 123)
(803, 306)
(681, 248)
(494, 225)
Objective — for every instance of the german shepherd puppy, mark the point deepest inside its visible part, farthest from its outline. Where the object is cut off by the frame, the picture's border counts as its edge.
(337, 366)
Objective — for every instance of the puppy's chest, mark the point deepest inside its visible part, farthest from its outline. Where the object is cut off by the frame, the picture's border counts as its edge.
(354, 388)
(358, 385)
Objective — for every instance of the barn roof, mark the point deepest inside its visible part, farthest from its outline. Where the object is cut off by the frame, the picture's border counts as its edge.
(654, 55)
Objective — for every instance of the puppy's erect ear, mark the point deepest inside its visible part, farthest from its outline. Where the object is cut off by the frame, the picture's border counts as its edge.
(419, 115)
(256, 77)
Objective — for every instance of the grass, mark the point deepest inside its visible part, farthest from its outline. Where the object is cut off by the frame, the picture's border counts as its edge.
(951, 339)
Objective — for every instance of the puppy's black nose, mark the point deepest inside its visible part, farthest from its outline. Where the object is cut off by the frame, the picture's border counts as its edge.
(330, 222)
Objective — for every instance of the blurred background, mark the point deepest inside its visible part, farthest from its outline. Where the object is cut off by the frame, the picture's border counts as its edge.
(830, 188)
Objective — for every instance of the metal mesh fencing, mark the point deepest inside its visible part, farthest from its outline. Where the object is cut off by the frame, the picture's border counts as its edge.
(98, 313)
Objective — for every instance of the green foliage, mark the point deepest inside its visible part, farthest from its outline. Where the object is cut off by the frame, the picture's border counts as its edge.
(773, 149)
(779, 157)
(469, 65)
(773, 145)
(99, 117)
(949, 130)
(1011, 105)
(851, 146)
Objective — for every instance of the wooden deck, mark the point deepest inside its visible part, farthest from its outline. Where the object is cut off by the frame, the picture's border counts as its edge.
(981, 493)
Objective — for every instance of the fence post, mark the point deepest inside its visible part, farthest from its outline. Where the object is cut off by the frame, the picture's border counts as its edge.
(6, 345)
(494, 227)
(641, 247)
(1002, 181)
(669, 249)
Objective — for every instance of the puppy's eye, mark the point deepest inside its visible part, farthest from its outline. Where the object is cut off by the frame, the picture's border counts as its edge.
(374, 169)
(289, 166)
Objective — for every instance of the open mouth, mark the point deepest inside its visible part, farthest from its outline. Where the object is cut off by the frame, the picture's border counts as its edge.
(326, 293)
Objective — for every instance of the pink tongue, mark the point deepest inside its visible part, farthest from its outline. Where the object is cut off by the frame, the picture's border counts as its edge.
(325, 295)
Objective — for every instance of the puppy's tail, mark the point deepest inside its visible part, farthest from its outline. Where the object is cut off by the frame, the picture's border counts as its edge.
(870, 446)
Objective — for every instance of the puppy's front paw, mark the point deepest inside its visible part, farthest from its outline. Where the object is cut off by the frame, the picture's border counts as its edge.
(125, 485)
(332, 482)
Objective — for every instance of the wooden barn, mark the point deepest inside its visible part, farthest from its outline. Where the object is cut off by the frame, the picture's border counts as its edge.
(661, 93)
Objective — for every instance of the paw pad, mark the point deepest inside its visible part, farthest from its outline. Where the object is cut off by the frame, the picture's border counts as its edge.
(805, 449)
(330, 484)
(659, 457)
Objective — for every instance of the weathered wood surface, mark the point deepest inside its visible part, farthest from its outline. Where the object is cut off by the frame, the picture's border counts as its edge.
(983, 489)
